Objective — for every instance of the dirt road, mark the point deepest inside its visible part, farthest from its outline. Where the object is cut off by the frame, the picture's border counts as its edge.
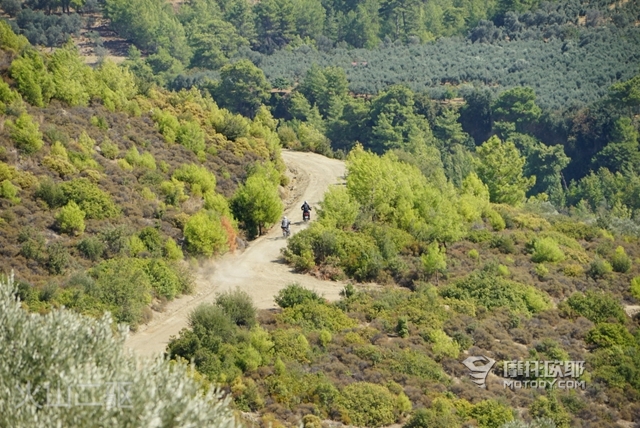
(258, 269)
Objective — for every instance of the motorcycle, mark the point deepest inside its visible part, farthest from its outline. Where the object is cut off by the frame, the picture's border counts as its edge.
(306, 215)
(286, 232)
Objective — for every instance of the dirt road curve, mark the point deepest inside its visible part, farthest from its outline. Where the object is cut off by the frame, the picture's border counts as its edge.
(258, 270)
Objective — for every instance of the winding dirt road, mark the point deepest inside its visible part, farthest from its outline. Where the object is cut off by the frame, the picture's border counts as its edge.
(259, 269)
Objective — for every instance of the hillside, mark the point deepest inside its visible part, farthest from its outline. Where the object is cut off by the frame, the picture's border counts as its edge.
(490, 209)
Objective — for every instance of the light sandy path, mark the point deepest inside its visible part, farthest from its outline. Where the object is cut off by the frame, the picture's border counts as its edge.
(259, 269)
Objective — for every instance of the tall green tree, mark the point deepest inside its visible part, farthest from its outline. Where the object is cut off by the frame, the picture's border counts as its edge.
(257, 203)
(517, 105)
(500, 166)
(243, 88)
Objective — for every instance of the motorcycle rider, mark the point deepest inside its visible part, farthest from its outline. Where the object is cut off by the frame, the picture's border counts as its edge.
(285, 225)
(306, 208)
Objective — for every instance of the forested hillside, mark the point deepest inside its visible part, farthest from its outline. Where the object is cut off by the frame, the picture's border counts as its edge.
(492, 198)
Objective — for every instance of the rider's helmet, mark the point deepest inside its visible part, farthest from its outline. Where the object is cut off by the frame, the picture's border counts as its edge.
(284, 218)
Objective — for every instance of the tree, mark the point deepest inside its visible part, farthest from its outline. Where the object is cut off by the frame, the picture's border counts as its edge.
(434, 261)
(500, 167)
(622, 154)
(517, 105)
(26, 134)
(243, 87)
(204, 234)
(257, 203)
(338, 208)
(275, 24)
(70, 219)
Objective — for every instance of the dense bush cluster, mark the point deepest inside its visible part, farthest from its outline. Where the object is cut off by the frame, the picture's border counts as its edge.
(64, 352)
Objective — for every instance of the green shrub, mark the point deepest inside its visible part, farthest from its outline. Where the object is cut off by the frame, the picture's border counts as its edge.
(57, 258)
(295, 294)
(90, 198)
(135, 246)
(495, 220)
(573, 270)
(474, 254)
(606, 335)
(109, 149)
(504, 243)
(596, 307)
(25, 134)
(150, 237)
(635, 287)
(316, 315)
(204, 235)
(9, 191)
(599, 268)
(125, 165)
(402, 327)
(164, 280)
(368, 404)
(91, 248)
(491, 414)
(541, 271)
(546, 250)
(239, 306)
(70, 219)
(135, 159)
(51, 193)
(196, 175)
(173, 191)
(620, 261)
(491, 291)
(210, 319)
(291, 345)
(172, 251)
(65, 342)
(338, 208)
(191, 136)
(124, 287)
(443, 345)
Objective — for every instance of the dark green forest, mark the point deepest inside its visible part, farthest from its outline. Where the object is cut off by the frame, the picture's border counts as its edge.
(492, 198)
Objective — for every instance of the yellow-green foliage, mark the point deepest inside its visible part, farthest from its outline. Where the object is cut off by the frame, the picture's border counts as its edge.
(86, 143)
(8, 96)
(72, 79)
(167, 125)
(32, 79)
(531, 222)
(368, 404)
(399, 194)
(95, 202)
(9, 191)
(218, 203)
(338, 208)
(173, 191)
(546, 250)
(495, 219)
(191, 136)
(635, 287)
(23, 179)
(135, 245)
(58, 161)
(25, 134)
(442, 345)
(124, 165)
(291, 345)
(473, 253)
(135, 159)
(620, 261)
(147, 194)
(541, 270)
(172, 251)
(116, 86)
(315, 315)
(490, 290)
(196, 175)
(573, 270)
(70, 219)
(491, 414)
(9, 40)
(205, 235)
(109, 149)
